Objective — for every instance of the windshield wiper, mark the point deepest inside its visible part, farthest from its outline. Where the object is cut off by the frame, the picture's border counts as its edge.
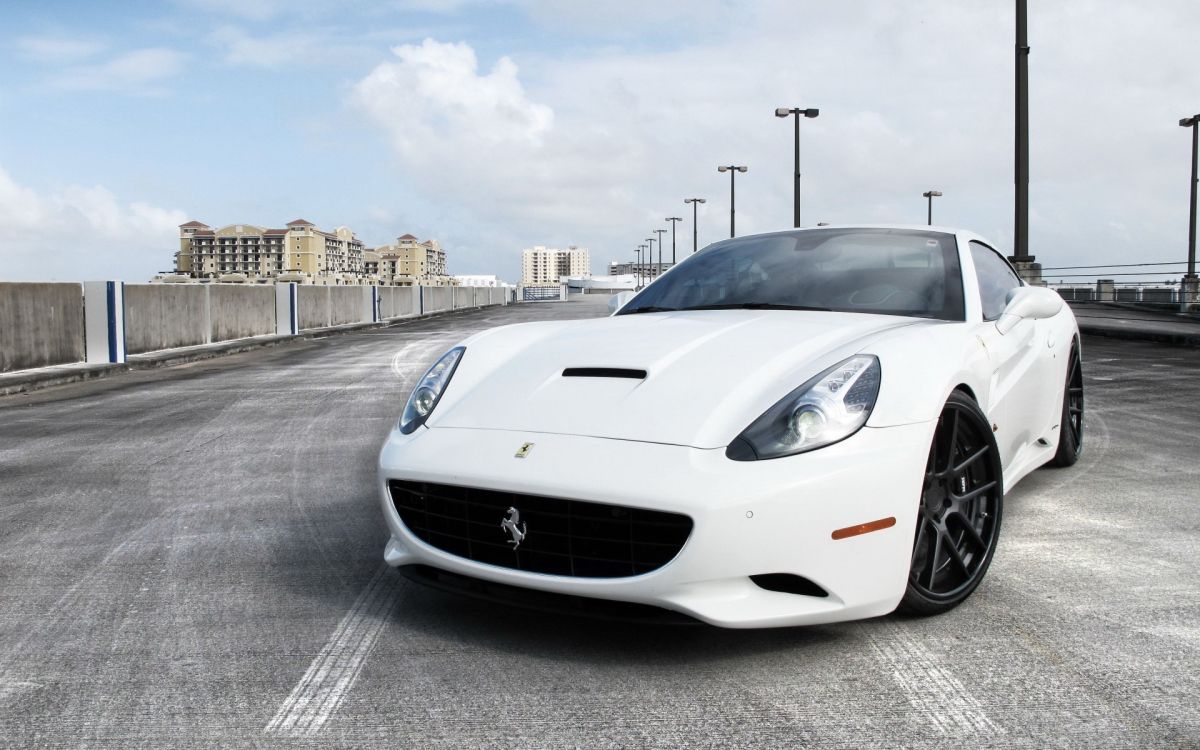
(756, 306)
(649, 309)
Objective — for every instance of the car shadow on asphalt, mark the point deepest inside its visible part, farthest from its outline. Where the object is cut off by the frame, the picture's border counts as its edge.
(585, 639)
(428, 615)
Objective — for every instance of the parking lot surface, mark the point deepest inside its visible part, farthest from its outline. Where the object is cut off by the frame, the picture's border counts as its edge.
(191, 557)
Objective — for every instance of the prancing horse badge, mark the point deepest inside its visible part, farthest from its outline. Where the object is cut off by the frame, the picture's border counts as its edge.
(523, 451)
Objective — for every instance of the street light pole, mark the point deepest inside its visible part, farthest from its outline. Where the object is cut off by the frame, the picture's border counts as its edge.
(674, 220)
(639, 266)
(796, 111)
(660, 233)
(1021, 170)
(1192, 122)
(695, 202)
(650, 260)
(931, 194)
(732, 169)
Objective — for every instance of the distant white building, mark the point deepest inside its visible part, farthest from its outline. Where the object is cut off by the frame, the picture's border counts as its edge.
(479, 280)
(542, 266)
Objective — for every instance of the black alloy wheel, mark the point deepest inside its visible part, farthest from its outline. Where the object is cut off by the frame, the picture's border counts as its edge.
(958, 521)
(1070, 432)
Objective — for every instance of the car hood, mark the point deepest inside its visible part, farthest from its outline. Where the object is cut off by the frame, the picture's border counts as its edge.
(708, 373)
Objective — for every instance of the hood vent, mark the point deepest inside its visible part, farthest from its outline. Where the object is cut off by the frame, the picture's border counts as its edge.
(603, 372)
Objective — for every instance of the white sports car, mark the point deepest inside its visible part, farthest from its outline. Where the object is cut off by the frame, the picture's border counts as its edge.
(791, 428)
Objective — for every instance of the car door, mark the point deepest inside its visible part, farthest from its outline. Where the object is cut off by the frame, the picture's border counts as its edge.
(1019, 402)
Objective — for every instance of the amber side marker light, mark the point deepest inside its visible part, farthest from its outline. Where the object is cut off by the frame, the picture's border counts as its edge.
(864, 528)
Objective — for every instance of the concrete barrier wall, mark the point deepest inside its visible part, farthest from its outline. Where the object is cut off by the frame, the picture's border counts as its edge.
(238, 312)
(312, 303)
(44, 324)
(162, 316)
(40, 325)
(437, 298)
(387, 303)
(398, 302)
(346, 305)
(412, 295)
(464, 296)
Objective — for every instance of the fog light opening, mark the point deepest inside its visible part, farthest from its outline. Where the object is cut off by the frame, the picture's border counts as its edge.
(786, 583)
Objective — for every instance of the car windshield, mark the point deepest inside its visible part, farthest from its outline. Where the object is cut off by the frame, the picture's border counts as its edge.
(884, 271)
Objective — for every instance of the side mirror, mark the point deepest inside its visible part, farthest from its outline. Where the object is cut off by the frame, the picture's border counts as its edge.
(618, 300)
(1029, 302)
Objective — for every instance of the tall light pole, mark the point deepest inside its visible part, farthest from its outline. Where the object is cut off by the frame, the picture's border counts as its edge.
(695, 202)
(1021, 167)
(650, 260)
(660, 233)
(1192, 122)
(784, 112)
(732, 169)
(674, 220)
(931, 194)
(639, 265)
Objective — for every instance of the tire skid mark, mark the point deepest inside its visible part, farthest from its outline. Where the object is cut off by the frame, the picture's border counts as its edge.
(336, 668)
(64, 612)
(932, 690)
(406, 362)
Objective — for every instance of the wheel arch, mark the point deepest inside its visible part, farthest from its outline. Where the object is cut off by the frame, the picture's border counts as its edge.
(967, 390)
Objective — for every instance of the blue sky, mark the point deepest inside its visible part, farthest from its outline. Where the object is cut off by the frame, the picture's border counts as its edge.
(500, 124)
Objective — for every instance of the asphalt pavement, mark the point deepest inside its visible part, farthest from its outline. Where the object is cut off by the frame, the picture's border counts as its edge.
(1129, 322)
(190, 557)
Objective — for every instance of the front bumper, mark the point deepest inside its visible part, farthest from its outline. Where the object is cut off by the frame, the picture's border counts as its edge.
(750, 518)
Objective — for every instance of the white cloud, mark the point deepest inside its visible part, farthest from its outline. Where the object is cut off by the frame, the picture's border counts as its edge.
(77, 233)
(630, 18)
(478, 142)
(254, 10)
(296, 46)
(597, 146)
(270, 51)
(433, 95)
(58, 49)
(141, 71)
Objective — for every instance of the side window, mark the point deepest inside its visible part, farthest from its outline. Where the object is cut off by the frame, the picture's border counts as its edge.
(996, 279)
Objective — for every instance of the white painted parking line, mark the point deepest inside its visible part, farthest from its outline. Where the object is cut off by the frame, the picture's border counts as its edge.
(936, 694)
(333, 673)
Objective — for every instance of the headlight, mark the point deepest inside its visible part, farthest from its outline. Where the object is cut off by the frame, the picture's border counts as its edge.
(429, 390)
(831, 407)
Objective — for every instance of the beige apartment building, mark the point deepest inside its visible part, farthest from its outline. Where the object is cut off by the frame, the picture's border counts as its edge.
(245, 252)
(541, 266)
(409, 261)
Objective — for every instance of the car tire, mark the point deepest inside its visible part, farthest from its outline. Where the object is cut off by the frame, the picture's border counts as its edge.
(1070, 431)
(958, 520)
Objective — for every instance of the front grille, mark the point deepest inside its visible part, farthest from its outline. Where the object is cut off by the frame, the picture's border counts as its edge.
(563, 537)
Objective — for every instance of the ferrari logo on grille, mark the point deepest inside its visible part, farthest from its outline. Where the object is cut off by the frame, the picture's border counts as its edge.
(511, 525)
(523, 451)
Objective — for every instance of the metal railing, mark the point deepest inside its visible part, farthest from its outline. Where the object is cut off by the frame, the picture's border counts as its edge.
(1156, 286)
